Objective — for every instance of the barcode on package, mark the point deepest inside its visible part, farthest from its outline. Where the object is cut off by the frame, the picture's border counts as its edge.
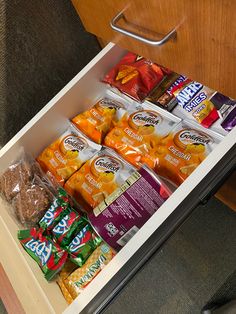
(126, 237)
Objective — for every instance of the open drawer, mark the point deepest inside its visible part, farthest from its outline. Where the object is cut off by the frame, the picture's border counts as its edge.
(34, 292)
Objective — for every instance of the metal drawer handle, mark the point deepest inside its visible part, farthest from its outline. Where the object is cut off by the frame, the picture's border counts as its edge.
(172, 34)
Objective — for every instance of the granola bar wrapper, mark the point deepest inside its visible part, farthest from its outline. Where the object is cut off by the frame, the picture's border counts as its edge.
(99, 120)
(48, 254)
(183, 150)
(135, 76)
(98, 178)
(138, 134)
(67, 154)
(81, 277)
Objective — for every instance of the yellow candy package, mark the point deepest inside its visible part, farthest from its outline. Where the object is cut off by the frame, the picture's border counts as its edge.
(99, 120)
(67, 154)
(139, 131)
(98, 178)
(179, 154)
(67, 269)
(81, 277)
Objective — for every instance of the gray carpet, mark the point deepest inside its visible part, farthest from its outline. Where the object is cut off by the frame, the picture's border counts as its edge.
(190, 269)
(42, 46)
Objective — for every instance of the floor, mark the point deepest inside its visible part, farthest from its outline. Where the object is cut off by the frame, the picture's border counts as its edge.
(42, 46)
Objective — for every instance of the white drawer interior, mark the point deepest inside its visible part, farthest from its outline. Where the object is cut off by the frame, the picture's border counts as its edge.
(32, 289)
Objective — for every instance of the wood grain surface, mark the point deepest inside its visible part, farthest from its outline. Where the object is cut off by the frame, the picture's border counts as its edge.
(205, 46)
(8, 295)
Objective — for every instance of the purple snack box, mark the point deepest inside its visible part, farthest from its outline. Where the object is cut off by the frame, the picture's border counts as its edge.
(126, 210)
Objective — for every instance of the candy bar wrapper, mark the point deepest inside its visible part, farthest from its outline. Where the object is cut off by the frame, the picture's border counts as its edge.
(137, 135)
(180, 153)
(56, 211)
(82, 246)
(135, 76)
(230, 121)
(98, 178)
(67, 154)
(66, 228)
(99, 120)
(49, 255)
(194, 103)
(226, 108)
(81, 277)
(160, 96)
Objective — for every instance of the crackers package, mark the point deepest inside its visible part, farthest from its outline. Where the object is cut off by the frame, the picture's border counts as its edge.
(183, 150)
(76, 282)
(99, 120)
(98, 178)
(135, 76)
(67, 154)
(139, 132)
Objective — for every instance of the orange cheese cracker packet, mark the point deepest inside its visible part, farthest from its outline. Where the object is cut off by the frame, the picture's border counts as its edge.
(179, 154)
(139, 131)
(81, 277)
(98, 120)
(67, 269)
(98, 178)
(67, 154)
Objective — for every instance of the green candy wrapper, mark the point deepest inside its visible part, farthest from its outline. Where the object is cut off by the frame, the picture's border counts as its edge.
(66, 228)
(56, 211)
(49, 255)
(83, 245)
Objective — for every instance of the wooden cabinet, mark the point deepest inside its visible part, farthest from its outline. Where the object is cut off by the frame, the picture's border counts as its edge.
(205, 46)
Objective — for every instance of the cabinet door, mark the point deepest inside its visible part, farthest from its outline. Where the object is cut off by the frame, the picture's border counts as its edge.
(204, 48)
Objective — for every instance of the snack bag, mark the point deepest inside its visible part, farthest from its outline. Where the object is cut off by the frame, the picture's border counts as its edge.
(49, 255)
(226, 108)
(31, 202)
(81, 277)
(66, 228)
(67, 154)
(18, 175)
(180, 153)
(139, 131)
(194, 103)
(98, 178)
(56, 211)
(67, 269)
(161, 96)
(135, 76)
(83, 244)
(98, 120)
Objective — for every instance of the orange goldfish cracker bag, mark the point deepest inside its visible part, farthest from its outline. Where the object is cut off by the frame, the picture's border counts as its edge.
(183, 150)
(139, 131)
(98, 120)
(67, 154)
(98, 178)
(82, 276)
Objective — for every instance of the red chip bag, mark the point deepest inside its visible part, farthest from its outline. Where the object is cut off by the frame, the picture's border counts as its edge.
(135, 76)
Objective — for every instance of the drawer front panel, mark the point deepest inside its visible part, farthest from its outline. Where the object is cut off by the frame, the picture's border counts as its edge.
(206, 31)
